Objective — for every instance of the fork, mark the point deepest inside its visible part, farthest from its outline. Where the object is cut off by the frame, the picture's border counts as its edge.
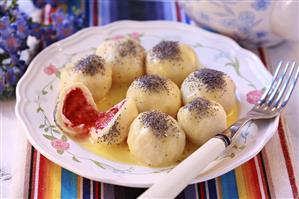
(270, 105)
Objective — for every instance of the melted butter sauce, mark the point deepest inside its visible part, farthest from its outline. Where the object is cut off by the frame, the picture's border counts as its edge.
(120, 152)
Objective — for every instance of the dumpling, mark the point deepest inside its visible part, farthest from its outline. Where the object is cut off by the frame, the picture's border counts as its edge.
(156, 139)
(112, 127)
(171, 59)
(202, 119)
(92, 71)
(75, 110)
(126, 57)
(76, 114)
(210, 84)
(151, 92)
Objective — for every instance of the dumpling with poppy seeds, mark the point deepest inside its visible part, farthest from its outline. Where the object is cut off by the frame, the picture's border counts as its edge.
(210, 84)
(92, 71)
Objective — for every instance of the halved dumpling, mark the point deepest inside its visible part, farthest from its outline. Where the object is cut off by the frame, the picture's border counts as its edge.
(76, 110)
(76, 114)
(112, 127)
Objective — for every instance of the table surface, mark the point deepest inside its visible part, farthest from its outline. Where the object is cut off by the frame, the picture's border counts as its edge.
(14, 163)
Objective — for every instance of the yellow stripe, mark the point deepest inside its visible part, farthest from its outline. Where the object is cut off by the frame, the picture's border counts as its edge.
(56, 180)
(240, 183)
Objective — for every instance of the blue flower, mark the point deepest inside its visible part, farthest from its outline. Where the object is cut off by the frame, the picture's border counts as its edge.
(4, 22)
(14, 58)
(48, 35)
(260, 5)
(247, 18)
(11, 43)
(5, 27)
(12, 75)
(229, 23)
(58, 17)
(65, 29)
(22, 28)
(3, 8)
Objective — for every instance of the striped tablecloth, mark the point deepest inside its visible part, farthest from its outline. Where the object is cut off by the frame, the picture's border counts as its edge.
(254, 179)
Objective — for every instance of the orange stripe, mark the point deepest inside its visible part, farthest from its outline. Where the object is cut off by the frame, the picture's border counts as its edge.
(79, 187)
(251, 180)
(49, 179)
(218, 183)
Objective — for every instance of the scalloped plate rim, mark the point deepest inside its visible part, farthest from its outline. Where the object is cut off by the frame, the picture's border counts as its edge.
(22, 97)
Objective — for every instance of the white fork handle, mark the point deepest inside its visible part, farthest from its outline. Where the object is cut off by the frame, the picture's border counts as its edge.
(170, 185)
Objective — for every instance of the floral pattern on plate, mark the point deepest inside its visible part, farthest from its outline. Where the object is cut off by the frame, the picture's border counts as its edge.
(38, 90)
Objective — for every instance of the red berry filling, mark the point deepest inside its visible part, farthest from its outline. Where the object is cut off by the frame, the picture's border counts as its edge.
(78, 111)
(105, 117)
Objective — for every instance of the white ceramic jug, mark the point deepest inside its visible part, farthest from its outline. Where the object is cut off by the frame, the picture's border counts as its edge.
(255, 22)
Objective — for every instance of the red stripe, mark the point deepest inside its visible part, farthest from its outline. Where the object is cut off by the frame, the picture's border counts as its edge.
(263, 56)
(96, 191)
(251, 182)
(178, 13)
(263, 175)
(283, 143)
(288, 160)
(201, 187)
(33, 170)
(95, 12)
(41, 176)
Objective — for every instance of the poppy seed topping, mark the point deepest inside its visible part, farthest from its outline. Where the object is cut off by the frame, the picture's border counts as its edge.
(212, 79)
(90, 65)
(152, 83)
(166, 50)
(158, 122)
(127, 48)
(201, 107)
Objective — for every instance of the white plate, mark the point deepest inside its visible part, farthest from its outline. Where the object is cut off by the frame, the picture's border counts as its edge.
(37, 91)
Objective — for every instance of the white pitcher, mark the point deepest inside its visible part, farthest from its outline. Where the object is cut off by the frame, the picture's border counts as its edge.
(255, 22)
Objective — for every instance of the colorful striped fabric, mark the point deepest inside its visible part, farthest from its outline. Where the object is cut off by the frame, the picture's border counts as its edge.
(48, 180)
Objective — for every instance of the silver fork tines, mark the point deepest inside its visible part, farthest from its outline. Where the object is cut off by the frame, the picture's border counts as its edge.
(268, 90)
(289, 92)
(272, 101)
(283, 87)
(279, 91)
